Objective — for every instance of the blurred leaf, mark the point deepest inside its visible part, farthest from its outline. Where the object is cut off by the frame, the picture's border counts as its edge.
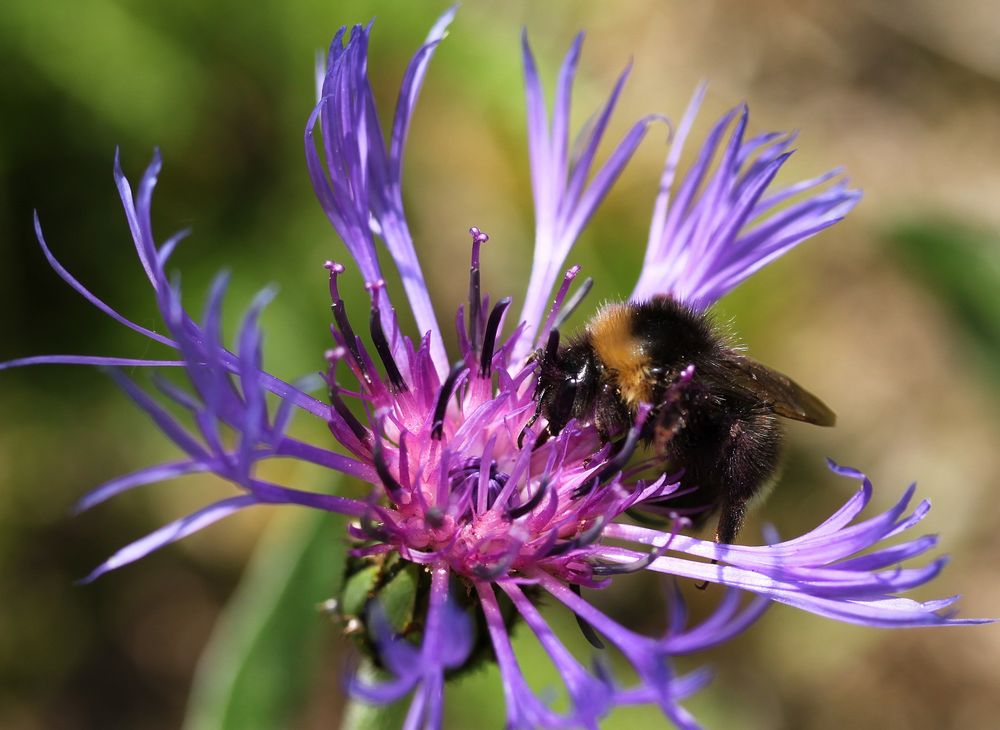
(268, 642)
(360, 716)
(962, 267)
(112, 60)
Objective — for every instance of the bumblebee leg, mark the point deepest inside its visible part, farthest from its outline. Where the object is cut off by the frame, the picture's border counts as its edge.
(730, 521)
(667, 425)
(704, 584)
(529, 424)
(751, 458)
(750, 462)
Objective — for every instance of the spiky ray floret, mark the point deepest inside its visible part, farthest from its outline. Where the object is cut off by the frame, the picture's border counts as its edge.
(452, 489)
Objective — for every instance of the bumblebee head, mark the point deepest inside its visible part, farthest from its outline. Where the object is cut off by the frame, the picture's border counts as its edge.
(567, 383)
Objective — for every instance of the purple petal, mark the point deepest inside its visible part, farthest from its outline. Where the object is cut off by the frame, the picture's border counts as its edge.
(142, 477)
(561, 112)
(86, 294)
(124, 362)
(410, 89)
(166, 423)
(171, 533)
(591, 697)
(524, 709)
(563, 204)
(715, 234)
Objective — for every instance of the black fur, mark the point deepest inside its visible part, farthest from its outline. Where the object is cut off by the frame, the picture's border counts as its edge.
(726, 440)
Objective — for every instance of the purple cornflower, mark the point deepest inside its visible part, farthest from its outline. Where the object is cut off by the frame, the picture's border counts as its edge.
(494, 526)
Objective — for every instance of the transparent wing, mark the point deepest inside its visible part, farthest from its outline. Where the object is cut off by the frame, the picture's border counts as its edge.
(778, 391)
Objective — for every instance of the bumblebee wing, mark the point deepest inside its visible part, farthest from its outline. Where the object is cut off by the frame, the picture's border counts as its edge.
(778, 391)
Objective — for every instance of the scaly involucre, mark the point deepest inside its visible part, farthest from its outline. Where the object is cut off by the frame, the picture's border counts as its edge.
(498, 526)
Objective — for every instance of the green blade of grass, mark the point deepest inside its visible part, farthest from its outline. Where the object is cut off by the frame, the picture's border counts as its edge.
(260, 663)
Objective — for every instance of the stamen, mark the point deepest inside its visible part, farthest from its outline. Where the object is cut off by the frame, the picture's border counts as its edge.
(490, 338)
(441, 407)
(398, 385)
(381, 466)
(333, 391)
(557, 302)
(487, 481)
(604, 569)
(475, 296)
(404, 461)
(434, 518)
(618, 462)
(552, 345)
(644, 519)
(481, 493)
(340, 317)
(444, 487)
(499, 567)
(585, 628)
(574, 302)
(533, 501)
(382, 469)
(582, 540)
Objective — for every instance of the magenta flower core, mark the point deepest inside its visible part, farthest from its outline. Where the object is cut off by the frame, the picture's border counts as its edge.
(496, 520)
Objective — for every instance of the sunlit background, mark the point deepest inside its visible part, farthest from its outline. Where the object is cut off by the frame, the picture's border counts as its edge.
(893, 317)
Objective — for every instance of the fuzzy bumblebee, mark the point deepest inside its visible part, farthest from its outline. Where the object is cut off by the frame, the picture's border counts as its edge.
(714, 410)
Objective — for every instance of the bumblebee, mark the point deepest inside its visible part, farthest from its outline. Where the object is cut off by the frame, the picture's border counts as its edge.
(714, 410)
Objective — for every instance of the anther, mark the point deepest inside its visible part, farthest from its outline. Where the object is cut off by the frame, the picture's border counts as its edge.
(582, 540)
(499, 568)
(396, 380)
(620, 459)
(635, 566)
(441, 407)
(372, 528)
(434, 517)
(382, 469)
(533, 501)
(552, 345)
(585, 628)
(557, 302)
(475, 295)
(490, 338)
(574, 301)
(336, 402)
(340, 317)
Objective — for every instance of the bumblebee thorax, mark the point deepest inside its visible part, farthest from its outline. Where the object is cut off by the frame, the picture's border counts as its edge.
(625, 358)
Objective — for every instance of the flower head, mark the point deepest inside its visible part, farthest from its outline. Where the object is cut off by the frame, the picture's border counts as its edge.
(488, 521)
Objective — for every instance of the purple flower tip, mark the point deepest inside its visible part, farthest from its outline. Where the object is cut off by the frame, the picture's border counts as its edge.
(478, 237)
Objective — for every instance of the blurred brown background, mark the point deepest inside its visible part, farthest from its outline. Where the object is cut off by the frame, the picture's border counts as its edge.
(892, 315)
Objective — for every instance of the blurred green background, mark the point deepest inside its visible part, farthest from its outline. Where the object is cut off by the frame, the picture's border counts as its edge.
(893, 316)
